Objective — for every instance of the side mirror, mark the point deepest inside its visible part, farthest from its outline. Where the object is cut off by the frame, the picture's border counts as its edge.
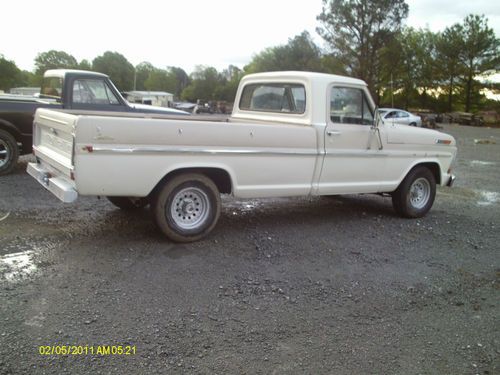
(377, 119)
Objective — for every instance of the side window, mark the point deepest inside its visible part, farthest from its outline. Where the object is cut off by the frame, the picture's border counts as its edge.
(275, 97)
(93, 91)
(349, 106)
(402, 114)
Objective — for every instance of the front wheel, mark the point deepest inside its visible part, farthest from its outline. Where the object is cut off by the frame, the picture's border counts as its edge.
(9, 152)
(415, 195)
(187, 207)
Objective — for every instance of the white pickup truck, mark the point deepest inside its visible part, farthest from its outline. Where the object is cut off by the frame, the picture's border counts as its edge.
(290, 134)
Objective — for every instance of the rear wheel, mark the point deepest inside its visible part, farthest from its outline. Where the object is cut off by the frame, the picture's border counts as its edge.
(415, 195)
(9, 152)
(128, 203)
(187, 207)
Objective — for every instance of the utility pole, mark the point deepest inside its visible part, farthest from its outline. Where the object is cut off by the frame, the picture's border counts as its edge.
(392, 92)
(135, 78)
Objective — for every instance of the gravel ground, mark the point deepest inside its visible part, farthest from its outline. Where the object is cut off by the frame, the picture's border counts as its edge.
(282, 286)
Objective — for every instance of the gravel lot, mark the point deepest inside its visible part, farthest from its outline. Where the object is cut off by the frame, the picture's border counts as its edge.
(282, 286)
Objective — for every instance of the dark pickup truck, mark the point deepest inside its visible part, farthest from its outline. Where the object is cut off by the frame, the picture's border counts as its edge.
(74, 90)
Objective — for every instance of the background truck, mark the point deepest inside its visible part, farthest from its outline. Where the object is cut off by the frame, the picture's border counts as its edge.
(65, 90)
(290, 134)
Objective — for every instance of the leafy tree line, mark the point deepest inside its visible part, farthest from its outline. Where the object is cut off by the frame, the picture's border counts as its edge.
(407, 67)
(204, 83)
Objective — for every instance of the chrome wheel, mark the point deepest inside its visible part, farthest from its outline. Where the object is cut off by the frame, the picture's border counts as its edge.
(415, 194)
(4, 153)
(420, 192)
(190, 208)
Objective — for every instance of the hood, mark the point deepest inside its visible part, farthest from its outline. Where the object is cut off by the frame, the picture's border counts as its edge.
(404, 134)
(153, 109)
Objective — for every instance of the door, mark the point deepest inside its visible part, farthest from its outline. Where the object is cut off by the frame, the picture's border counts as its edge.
(353, 161)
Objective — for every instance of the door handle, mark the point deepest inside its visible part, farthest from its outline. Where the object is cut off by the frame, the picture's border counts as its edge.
(333, 132)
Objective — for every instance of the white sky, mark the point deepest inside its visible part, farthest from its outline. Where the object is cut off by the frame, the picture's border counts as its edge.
(186, 33)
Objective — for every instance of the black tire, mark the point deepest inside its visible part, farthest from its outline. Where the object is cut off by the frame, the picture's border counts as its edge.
(9, 152)
(187, 207)
(413, 124)
(415, 195)
(128, 203)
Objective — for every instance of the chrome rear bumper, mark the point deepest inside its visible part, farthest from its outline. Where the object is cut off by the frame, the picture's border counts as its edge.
(61, 187)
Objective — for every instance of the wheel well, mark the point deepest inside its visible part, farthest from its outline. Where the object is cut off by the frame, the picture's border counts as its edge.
(11, 129)
(434, 168)
(219, 176)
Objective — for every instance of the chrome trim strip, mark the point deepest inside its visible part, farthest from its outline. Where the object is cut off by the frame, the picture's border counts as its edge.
(237, 151)
(184, 150)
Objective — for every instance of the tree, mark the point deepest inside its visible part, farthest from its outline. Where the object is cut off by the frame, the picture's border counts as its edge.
(84, 65)
(479, 49)
(356, 30)
(181, 80)
(119, 69)
(448, 46)
(9, 74)
(417, 71)
(53, 60)
(204, 82)
(226, 90)
(160, 80)
(300, 53)
(142, 72)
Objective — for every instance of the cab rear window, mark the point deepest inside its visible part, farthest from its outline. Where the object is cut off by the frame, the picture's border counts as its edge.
(51, 88)
(274, 97)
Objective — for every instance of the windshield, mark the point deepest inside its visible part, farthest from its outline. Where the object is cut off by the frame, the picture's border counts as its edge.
(51, 88)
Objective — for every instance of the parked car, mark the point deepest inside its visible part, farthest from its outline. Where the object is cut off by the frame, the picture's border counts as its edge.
(398, 116)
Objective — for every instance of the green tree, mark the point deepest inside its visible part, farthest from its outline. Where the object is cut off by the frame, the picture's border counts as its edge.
(142, 72)
(479, 50)
(228, 84)
(181, 80)
(160, 80)
(117, 67)
(356, 31)
(448, 46)
(300, 53)
(204, 82)
(85, 65)
(10, 75)
(418, 73)
(54, 60)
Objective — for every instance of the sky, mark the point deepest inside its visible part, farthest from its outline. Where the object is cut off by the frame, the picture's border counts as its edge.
(186, 33)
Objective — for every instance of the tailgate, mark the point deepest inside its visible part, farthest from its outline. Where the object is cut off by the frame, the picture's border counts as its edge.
(53, 143)
(53, 139)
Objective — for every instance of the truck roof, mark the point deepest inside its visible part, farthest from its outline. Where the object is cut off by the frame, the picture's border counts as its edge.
(310, 76)
(61, 73)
